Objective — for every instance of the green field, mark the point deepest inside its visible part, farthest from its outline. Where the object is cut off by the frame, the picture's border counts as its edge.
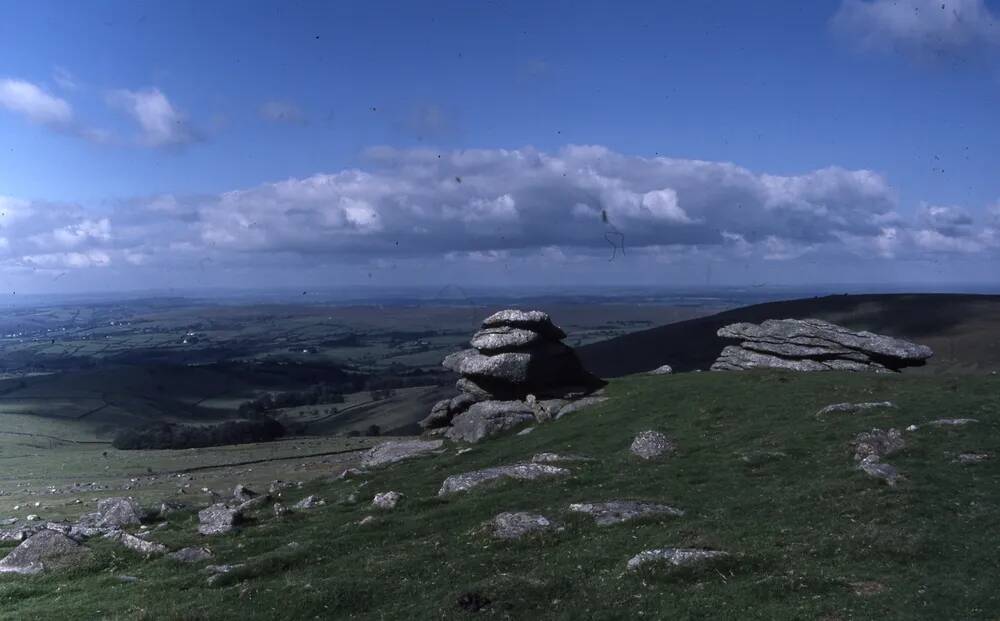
(758, 474)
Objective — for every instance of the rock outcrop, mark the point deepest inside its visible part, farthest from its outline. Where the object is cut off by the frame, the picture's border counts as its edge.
(814, 345)
(218, 519)
(651, 445)
(517, 372)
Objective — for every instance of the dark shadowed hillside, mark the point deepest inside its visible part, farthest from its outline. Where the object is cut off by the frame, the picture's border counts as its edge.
(963, 330)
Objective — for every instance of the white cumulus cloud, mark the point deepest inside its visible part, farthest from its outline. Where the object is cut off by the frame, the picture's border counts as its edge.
(160, 123)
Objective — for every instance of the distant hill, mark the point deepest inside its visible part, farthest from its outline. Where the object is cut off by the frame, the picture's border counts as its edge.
(963, 330)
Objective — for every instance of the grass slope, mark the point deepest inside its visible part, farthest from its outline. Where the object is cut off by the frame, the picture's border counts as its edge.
(807, 531)
(963, 330)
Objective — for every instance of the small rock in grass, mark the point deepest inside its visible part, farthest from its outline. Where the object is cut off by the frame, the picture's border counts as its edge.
(392, 452)
(873, 467)
(972, 458)
(521, 472)
(618, 511)
(242, 493)
(678, 557)
(878, 443)
(651, 445)
(514, 525)
(854, 408)
(309, 502)
(218, 519)
(386, 500)
(280, 510)
(665, 369)
(136, 544)
(525, 431)
(551, 458)
(952, 422)
(191, 554)
(368, 519)
(118, 512)
(350, 473)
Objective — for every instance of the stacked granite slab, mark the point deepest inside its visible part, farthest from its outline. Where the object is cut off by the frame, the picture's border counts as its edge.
(517, 371)
(814, 345)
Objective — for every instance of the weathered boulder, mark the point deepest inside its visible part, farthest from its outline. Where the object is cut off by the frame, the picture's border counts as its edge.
(972, 458)
(489, 418)
(514, 525)
(665, 369)
(520, 472)
(814, 345)
(392, 452)
(118, 512)
(386, 500)
(218, 519)
(651, 445)
(854, 408)
(678, 557)
(618, 511)
(192, 554)
(43, 551)
(446, 409)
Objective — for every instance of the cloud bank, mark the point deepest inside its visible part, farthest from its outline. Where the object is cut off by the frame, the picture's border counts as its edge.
(922, 29)
(491, 205)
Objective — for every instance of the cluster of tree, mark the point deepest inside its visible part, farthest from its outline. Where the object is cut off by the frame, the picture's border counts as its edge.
(176, 436)
(311, 396)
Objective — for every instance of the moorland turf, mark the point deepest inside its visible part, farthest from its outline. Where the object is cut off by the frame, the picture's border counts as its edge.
(757, 472)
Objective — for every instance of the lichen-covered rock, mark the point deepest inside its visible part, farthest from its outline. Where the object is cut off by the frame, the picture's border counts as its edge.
(678, 557)
(45, 550)
(218, 519)
(514, 525)
(519, 472)
(878, 442)
(651, 445)
(618, 511)
(395, 451)
(386, 500)
(854, 408)
(489, 418)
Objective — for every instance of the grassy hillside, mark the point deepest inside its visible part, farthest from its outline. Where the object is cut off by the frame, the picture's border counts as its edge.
(758, 474)
(963, 330)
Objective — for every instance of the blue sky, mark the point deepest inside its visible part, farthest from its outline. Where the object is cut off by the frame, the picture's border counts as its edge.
(161, 144)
